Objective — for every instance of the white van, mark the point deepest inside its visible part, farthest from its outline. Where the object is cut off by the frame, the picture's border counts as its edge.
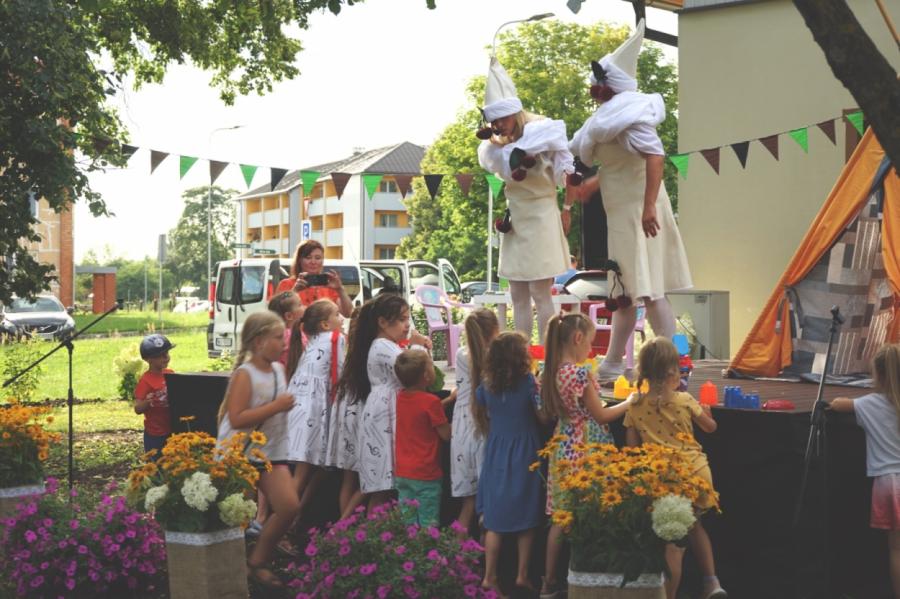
(243, 287)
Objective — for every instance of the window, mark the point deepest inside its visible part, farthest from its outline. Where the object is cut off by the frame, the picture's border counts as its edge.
(451, 283)
(387, 253)
(387, 220)
(33, 204)
(388, 187)
(252, 282)
(424, 274)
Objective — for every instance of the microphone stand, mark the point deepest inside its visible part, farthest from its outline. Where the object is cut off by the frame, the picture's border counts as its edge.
(70, 398)
(816, 446)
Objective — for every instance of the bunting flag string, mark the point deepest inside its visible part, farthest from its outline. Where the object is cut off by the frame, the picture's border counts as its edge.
(371, 181)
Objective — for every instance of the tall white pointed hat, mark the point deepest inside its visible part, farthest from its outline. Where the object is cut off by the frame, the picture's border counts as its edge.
(500, 96)
(619, 68)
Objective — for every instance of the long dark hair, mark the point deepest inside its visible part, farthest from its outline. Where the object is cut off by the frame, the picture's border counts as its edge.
(304, 249)
(354, 384)
(311, 323)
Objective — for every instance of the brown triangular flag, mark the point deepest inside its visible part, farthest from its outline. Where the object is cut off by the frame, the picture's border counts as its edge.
(771, 144)
(433, 182)
(101, 143)
(712, 157)
(215, 169)
(340, 181)
(156, 157)
(465, 182)
(404, 182)
(827, 128)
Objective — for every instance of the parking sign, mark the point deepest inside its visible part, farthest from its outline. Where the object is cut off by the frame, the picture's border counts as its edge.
(305, 230)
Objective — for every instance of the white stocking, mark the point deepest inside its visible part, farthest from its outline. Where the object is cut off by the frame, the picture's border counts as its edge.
(661, 317)
(623, 321)
(543, 301)
(521, 300)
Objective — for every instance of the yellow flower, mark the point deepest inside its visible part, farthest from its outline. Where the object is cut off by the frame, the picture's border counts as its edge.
(187, 418)
(534, 466)
(563, 518)
(258, 438)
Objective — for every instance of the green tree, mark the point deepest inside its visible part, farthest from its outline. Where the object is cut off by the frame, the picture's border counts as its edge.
(550, 64)
(56, 121)
(187, 241)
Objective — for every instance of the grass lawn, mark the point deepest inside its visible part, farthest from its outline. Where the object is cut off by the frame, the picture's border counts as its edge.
(141, 321)
(93, 373)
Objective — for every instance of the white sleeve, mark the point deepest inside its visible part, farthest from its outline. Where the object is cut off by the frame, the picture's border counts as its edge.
(641, 138)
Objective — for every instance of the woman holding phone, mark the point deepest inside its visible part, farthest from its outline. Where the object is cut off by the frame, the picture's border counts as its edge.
(310, 282)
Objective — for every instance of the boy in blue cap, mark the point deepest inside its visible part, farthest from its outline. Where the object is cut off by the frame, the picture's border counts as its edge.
(151, 396)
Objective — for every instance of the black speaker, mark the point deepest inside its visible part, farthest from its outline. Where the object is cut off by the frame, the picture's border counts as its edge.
(196, 394)
(594, 251)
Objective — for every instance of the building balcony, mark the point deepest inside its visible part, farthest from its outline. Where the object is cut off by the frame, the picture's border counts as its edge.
(335, 237)
(390, 235)
(334, 206)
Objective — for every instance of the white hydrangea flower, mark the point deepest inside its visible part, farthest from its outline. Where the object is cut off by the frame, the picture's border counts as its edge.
(673, 516)
(198, 491)
(154, 496)
(235, 510)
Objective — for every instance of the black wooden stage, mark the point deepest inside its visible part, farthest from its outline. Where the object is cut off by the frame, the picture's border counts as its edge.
(757, 462)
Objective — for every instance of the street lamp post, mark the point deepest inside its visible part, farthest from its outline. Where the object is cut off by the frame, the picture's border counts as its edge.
(209, 210)
(490, 219)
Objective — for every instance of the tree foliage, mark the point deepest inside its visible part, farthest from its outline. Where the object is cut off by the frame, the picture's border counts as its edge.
(55, 120)
(187, 257)
(549, 62)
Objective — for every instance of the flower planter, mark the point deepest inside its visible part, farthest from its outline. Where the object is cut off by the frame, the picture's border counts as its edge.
(590, 585)
(207, 565)
(10, 497)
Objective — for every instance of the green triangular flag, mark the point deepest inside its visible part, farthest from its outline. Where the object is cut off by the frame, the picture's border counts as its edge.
(681, 163)
(186, 163)
(801, 137)
(309, 179)
(856, 119)
(371, 183)
(248, 170)
(495, 182)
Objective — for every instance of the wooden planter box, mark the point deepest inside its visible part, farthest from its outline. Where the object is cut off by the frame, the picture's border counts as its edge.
(207, 565)
(10, 497)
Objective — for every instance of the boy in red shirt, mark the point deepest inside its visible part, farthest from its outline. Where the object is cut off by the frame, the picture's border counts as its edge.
(151, 397)
(421, 424)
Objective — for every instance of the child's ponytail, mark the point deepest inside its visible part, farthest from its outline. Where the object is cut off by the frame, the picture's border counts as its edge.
(560, 332)
(295, 348)
(481, 325)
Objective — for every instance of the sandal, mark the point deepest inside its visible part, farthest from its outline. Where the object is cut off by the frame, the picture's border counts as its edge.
(264, 576)
(287, 548)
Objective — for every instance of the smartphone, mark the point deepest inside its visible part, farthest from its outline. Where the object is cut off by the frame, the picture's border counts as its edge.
(320, 280)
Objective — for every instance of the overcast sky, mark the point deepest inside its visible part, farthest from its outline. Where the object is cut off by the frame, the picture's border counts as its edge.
(381, 72)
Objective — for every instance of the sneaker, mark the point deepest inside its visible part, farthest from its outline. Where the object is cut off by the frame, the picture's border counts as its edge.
(553, 591)
(717, 592)
(610, 370)
(253, 529)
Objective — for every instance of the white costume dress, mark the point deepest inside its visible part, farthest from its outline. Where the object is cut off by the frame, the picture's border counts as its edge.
(379, 417)
(343, 435)
(265, 387)
(466, 444)
(536, 248)
(311, 418)
(614, 137)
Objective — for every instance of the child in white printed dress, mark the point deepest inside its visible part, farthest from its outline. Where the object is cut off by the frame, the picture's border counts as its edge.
(467, 444)
(879, 415)
(313, 374)
(369, 376)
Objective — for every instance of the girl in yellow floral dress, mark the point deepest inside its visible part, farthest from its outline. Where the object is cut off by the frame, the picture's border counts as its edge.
(666, 416)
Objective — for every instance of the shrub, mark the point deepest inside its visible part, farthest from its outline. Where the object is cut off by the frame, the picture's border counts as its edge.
(58, 549)
(380, 556)
(19, 356)
(129, 366)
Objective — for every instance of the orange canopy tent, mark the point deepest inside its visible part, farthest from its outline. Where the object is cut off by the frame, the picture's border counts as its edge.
(850, 257)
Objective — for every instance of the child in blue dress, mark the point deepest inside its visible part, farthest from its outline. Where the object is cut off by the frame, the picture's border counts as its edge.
(509, 494)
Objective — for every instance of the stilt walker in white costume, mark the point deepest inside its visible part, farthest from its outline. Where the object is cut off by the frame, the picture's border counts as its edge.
(643, 238)
(530, 153)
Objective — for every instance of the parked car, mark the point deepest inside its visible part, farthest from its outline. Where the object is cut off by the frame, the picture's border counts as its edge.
(472, 288)
(44, 317)
(242, 287)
